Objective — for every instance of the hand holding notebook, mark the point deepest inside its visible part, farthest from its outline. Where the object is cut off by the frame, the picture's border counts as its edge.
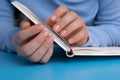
(70, 50)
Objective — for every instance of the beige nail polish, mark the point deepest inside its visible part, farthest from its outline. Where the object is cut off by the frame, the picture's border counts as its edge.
(70, 41)
(63, 33)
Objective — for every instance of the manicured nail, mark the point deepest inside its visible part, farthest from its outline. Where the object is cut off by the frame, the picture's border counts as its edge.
(57, 28)
(54, 18)
(63, 33)
(70, 41)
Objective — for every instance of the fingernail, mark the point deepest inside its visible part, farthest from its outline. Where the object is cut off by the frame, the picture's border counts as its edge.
(50, 39)
(70, 41)
(57, 28)
(45, 33)
(54, 18)
(63, 33)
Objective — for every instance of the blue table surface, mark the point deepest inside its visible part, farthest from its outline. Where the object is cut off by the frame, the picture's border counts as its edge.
(60, 67)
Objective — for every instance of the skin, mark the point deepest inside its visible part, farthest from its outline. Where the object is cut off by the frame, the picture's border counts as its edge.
(36, 44)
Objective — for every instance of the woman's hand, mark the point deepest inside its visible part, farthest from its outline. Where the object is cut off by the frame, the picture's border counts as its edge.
(69, 25)
(33, 42)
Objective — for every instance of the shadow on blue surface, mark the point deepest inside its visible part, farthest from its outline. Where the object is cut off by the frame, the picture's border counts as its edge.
(59, 58)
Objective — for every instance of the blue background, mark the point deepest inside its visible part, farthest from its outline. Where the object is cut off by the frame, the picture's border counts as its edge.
(60, 67)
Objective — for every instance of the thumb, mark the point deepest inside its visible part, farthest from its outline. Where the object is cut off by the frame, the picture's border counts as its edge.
(25, 24)
(50, 22)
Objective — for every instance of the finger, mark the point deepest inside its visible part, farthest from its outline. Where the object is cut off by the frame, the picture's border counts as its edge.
(82, 41)
(78, 37)
(58, 13)
(76, 24)
(23, 35)
(34, 44)
(67, 19)
(50, 22)
(25, 24)
(47, 56)
(42, 50)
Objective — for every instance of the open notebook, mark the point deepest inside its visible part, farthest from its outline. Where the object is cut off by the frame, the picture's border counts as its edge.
(70, 50)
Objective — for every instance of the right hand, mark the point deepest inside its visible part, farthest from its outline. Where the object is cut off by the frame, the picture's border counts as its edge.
(33, 42)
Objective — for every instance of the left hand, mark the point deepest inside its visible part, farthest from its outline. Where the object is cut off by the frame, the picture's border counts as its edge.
(69, 25)
(33, 42)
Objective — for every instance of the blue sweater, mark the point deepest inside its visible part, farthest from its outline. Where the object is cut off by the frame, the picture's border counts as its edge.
(101, 17)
